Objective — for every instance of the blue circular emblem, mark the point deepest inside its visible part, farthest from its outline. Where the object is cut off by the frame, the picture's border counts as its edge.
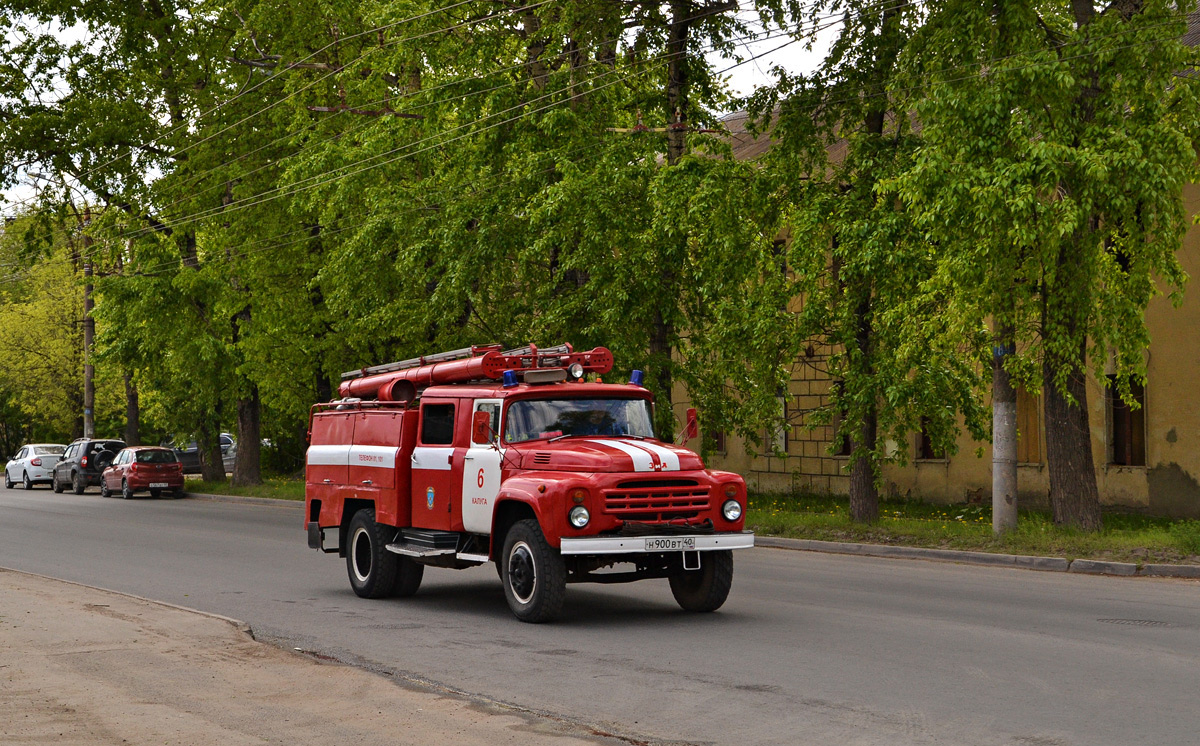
(429, 497)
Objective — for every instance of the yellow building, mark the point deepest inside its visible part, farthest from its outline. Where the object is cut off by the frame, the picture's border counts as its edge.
(1147, 458)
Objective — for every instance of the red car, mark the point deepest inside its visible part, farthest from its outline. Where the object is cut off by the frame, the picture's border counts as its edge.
(142, 468)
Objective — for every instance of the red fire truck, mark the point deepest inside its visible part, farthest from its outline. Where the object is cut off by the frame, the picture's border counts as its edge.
(515, 457)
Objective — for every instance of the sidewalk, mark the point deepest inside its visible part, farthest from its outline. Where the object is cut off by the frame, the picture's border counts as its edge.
(82, 666)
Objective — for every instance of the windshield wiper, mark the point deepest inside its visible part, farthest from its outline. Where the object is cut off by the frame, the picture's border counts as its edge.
(581, 435)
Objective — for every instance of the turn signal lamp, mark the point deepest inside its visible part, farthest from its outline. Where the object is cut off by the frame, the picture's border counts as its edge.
(578, 496)
(731, 490)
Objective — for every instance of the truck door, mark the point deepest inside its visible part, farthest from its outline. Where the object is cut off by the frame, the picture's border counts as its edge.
(435, 485)
(481, 472)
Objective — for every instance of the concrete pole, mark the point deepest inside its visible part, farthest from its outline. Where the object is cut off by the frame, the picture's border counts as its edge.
(1004, 438)
(89, 335)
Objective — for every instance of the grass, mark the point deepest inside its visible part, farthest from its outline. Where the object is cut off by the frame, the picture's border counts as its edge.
(1127, 537)
(282, 488)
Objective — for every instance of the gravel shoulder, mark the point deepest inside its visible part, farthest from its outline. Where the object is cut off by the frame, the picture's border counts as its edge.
(79, 665)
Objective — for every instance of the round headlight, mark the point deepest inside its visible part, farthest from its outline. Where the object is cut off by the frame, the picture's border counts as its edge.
(579, 516)
(576, 370)
(732, 510)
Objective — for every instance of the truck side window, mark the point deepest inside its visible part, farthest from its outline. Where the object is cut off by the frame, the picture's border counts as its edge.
(437, 424)
(493, 410)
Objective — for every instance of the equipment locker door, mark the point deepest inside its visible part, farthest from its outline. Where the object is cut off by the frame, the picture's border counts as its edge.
(481, 473)
(435, 485)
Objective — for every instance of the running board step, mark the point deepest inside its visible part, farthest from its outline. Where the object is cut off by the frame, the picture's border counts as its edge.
(409, 549)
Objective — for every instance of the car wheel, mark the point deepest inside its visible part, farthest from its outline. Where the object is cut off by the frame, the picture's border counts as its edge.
(707, 588)
(125, 491)
(78, 485)
(104, 490)
(26, 482)
(371, 567)
(535, 577)
(8, 483)
(155, 493)
(54, 483)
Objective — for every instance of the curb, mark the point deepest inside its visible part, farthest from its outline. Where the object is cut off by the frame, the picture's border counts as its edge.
(241, 499)
(1027, 562)
(238, 624)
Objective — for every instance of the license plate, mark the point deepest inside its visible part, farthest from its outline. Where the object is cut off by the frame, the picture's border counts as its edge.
(670, 544)
(157, 485)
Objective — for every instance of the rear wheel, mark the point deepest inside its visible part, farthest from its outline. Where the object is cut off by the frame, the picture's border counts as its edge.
(707, 588)
(125, 491)
(371, 567)
(534, 575)
(26, 482)
(78, 484)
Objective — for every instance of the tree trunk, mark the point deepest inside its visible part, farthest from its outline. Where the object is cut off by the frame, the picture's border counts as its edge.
(661, 380)
(1004, 438)
(247, 467)
(133, 415)
(680, 25)
(89, 337)
(212, 467)
(864, 493)
(1074, 499)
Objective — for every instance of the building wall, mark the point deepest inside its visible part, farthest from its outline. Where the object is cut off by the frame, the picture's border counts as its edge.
(1168, 484)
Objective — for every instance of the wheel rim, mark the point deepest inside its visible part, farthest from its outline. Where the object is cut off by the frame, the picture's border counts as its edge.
(360, 546)
(522, 572)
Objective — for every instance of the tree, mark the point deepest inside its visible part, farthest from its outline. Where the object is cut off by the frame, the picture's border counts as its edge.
(857, 256)
(1056, 143)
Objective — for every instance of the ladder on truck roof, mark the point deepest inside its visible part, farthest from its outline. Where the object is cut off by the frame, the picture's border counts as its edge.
(400, 380)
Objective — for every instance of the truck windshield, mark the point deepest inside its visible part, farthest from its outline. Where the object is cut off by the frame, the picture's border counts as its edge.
(530, 419)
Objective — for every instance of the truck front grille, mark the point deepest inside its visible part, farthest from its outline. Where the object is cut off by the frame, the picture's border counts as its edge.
(655, 504)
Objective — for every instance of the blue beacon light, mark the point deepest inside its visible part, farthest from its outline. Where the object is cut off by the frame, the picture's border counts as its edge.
(636, 377)
(510, 379)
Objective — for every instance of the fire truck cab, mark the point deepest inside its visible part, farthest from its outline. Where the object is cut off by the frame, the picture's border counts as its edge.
(514, 457)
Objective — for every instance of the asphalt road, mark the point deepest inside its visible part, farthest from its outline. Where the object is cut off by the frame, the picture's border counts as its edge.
(809, 649)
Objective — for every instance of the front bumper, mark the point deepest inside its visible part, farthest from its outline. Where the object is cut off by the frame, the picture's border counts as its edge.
(640, 544)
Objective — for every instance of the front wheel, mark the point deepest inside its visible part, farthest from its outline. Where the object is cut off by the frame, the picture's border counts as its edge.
(8, 482)
(707, 588)
(534, 575)
(104, 490)
(372, 568)
(55, 484)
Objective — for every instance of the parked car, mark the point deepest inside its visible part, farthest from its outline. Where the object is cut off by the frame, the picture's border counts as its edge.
(189, 455)
(33, 464)
(139, 468)
(82, 464)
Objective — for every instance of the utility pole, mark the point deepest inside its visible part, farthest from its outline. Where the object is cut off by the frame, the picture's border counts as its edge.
(1004, 436)
(89, 334)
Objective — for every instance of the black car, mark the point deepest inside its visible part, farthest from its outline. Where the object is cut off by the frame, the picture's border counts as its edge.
(82, 464)
(189, 455)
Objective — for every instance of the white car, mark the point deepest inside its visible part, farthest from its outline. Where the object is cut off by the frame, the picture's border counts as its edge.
(34, 463)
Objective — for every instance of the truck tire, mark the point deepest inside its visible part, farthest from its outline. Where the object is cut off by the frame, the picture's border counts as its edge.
(371, 567)
(707, 588)
(408, 577)
(534, 576)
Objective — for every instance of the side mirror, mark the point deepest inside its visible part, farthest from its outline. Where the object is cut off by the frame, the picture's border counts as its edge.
(481, 428)
(693, 424)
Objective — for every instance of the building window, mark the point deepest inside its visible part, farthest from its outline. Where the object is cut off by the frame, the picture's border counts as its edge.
(1127, 426)
(925, 449)
(1029, 432)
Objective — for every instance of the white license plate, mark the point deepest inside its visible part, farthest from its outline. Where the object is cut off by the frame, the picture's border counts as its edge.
(157, 485)
(670, 544)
